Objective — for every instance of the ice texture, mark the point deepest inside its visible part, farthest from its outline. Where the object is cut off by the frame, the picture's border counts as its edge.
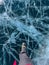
(24, 21)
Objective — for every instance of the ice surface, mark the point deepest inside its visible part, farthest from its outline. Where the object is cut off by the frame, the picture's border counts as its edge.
(24, 21)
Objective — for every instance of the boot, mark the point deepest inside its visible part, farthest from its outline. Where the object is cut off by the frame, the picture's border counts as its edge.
(24, 59)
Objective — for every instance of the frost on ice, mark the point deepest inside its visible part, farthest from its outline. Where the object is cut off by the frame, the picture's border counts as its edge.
(24, 21)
